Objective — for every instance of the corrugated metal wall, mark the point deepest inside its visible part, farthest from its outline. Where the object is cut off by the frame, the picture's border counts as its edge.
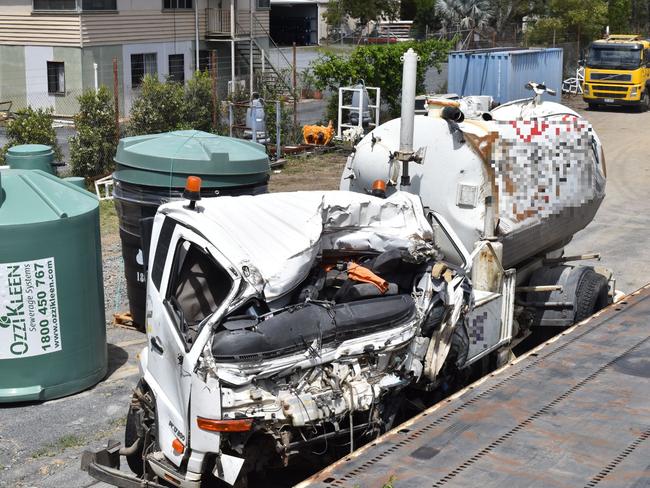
(503, 74)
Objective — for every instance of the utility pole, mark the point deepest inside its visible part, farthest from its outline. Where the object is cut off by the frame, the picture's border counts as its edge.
(295, 90)
(116, 94)
(213, 74)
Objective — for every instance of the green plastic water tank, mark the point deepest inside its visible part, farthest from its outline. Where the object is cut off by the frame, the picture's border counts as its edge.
(31, 156)
(77, 181)
(52, 323)
(166, 160)
(152, 170)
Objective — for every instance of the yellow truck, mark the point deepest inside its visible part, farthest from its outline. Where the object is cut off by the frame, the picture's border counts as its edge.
(617, 72)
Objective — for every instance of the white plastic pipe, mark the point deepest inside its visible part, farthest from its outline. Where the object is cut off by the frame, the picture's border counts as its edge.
(408, 102)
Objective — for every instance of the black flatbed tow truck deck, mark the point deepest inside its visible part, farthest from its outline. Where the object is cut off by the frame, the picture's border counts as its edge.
(573, 412)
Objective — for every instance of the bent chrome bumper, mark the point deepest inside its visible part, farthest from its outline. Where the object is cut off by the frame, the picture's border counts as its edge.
(104, 465)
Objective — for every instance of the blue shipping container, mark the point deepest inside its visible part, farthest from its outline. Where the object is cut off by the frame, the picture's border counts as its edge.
(503, 73)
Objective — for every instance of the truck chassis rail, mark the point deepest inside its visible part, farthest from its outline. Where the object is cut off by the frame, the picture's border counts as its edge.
(574, 412)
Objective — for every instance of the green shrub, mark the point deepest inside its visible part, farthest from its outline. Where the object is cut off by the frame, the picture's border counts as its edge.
(197, 109)
(164, 106)
(32, 126)
(93, 148)
(158, 108)
(379, 65)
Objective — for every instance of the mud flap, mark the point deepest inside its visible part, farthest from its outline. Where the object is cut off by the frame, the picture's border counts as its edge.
(227, 468)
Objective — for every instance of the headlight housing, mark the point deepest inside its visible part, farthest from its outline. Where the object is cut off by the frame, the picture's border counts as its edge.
(634, 91)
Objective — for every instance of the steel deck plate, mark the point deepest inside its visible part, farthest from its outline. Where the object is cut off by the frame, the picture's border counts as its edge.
(574, 412)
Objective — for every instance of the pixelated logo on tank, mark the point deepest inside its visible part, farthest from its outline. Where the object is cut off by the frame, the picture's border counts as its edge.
(29, 309)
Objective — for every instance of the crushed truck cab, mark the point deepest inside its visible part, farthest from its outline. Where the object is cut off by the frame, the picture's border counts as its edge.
(281, 321)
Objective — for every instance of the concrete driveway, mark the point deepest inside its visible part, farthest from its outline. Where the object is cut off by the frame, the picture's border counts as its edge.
(621, 229)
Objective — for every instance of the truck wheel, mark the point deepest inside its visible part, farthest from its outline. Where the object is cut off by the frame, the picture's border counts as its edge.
(591, 295)
(140, 419)
(645, 102)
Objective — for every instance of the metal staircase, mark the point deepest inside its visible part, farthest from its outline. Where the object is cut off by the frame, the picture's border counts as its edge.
(271, 65)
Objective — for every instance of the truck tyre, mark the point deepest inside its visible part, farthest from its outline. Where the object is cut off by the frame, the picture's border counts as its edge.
(591, 295)
(645, 101)
(140, 417)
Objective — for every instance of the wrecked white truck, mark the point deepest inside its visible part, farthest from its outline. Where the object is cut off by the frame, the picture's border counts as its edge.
(286, 320)
(298, 324)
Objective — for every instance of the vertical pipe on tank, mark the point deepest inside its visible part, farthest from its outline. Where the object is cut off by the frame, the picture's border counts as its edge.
(407, 119)
(408, 101)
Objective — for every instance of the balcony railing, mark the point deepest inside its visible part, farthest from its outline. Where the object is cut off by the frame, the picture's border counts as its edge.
(219, 22)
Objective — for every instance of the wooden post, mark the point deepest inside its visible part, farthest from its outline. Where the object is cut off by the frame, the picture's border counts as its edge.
(116, 94)
(213, 74)
(295, 89)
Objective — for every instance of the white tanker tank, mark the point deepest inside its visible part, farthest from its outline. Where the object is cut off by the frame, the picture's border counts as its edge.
(528, 173)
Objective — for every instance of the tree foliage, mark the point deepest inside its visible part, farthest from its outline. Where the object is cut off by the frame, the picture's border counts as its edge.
(93, 147)
(164, 106)
(32, 126)
(158, 108)
(378, 65)
(618, 16)
(465, 14)
(363, 10)
(570, 20)
(425, 18)
(198, 106)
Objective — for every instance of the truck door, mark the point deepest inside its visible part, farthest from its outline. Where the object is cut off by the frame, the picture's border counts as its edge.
(186, 285)
(490, 322)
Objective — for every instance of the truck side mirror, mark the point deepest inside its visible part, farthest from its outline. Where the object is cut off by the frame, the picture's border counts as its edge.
(146, 228)
(581, 63)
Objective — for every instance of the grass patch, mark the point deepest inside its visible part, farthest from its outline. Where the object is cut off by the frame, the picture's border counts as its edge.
(118, 422)
(108, 222)
(108, 215)
(59, 445)
(313, 172)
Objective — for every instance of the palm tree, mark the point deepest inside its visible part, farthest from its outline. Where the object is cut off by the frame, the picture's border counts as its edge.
(464, 15)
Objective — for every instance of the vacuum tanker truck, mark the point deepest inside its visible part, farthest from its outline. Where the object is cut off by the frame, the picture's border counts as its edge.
(514, 183)
(293, 326)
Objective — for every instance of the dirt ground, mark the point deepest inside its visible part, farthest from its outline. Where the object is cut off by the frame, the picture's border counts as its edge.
(310, 172)
(41, 444)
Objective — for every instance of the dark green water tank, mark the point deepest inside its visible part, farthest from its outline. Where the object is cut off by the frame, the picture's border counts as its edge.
(166, 160)
(52, 323)
(31, 156)
(151, 170)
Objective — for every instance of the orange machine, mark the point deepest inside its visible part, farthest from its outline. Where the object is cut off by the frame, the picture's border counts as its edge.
(318, 134)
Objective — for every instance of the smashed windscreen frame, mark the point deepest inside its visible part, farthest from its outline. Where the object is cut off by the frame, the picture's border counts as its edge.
(198, 286)
(447, 244)
(615, 56)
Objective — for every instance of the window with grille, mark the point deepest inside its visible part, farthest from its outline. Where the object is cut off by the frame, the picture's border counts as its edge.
(177, 68)
(177, 4)
(55, 78)
(99, 4)
(141, 65)
(55, 5)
